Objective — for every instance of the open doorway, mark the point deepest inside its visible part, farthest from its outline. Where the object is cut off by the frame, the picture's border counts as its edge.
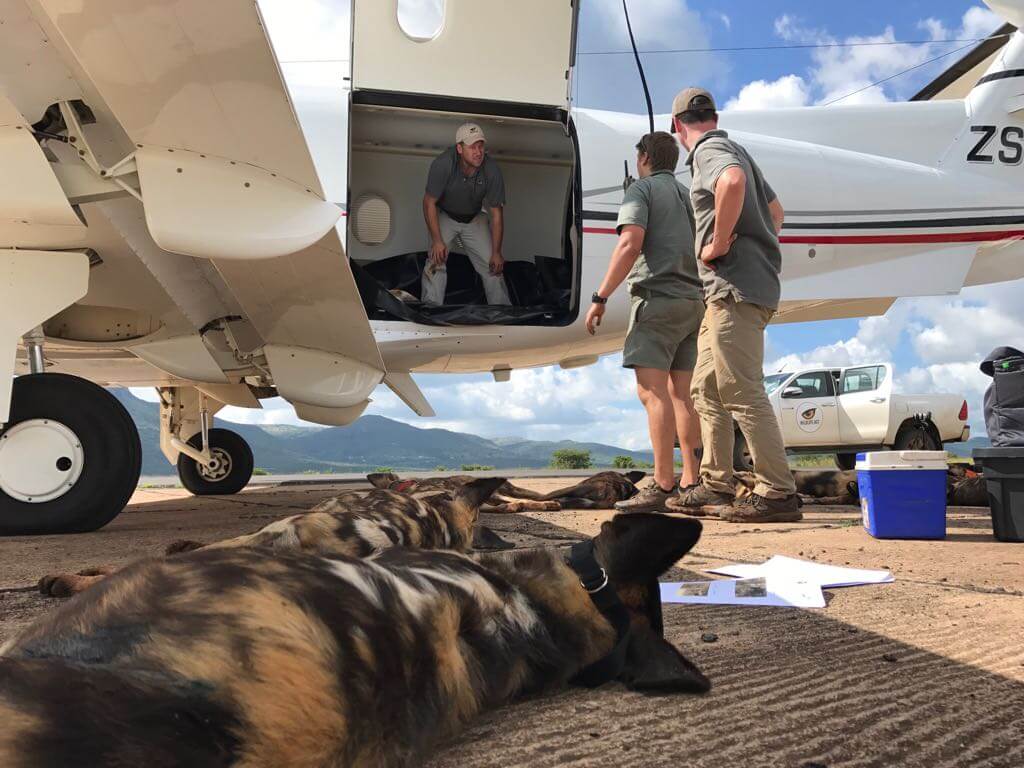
(393, 141)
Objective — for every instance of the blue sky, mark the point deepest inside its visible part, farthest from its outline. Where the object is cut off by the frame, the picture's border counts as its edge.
(936, 343)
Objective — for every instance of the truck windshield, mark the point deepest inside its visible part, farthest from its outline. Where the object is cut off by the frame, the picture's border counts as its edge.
(774, 381)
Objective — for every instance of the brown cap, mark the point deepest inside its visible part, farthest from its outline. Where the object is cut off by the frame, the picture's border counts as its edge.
(469, 133)
(692, 100)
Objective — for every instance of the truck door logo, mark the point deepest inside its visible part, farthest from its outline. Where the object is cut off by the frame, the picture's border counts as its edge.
(808, 417)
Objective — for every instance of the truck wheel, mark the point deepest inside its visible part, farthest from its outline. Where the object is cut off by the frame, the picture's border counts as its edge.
(846, 461)
(230, 474)
(916, 436)
(70, 456)
(741, 459)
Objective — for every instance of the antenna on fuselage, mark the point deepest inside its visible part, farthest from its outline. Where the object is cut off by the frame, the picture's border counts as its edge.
(639, 66)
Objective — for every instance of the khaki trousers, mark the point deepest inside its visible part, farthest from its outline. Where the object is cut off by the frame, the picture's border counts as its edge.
(728, 383)
(475, 238)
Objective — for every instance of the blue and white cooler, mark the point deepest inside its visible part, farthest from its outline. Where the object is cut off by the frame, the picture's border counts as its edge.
(903, 493)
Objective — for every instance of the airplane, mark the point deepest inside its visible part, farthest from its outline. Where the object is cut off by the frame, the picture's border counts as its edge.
(162, 223)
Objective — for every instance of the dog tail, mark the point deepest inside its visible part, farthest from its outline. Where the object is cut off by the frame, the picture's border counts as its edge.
(59, 713)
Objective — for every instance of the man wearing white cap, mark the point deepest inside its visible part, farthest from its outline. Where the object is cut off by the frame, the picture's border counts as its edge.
(462, 180)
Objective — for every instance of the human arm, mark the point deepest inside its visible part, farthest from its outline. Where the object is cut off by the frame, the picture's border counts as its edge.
(438, 250)
(627, 250)
(497, 233)
(730, 190)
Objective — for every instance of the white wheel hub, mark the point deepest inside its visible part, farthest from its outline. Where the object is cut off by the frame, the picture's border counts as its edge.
(40, 460)
(219, 467)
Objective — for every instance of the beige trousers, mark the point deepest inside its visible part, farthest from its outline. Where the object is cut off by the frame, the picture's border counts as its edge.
(728, 383)
(475, 238)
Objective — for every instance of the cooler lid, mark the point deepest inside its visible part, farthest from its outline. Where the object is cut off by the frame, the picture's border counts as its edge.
(935, 460)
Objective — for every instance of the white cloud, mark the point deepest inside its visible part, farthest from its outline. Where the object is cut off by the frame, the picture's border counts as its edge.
(787, 91)
(726, 21)
(839, 71)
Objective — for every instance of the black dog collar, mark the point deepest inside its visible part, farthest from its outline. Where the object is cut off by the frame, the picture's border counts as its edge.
(594, 580)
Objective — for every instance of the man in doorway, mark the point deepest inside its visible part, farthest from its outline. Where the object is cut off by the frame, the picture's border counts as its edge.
(655, 257)
(738, 218)
(462, 180)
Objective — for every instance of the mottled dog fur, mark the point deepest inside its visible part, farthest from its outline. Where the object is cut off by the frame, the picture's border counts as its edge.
(357, 524)
(599, 491)
(227, 657)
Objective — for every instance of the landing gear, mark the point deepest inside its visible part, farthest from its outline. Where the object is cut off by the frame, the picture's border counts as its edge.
(229, 470)
(70, 457)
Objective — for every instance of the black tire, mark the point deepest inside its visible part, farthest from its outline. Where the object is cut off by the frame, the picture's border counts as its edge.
(846, 461)
(239, 470)
(917, 436)
(111, 451)
(741, 460)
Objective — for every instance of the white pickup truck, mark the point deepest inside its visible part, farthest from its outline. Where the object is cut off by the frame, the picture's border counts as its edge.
(847, 410)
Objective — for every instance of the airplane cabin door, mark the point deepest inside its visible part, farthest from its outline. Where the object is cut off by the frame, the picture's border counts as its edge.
(492, 50)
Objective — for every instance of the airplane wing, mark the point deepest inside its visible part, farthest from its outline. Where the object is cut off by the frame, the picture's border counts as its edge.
(169, 127)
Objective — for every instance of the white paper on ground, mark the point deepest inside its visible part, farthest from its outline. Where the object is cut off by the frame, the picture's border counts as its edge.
(792, 569)
(758, 591)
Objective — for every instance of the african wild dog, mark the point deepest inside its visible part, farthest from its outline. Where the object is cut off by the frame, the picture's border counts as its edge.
(599, 491)
(355, 523)
(225, 657)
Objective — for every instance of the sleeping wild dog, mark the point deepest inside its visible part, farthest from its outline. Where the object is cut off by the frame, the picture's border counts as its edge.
(599, 491)
(358, 524)
(226, 657)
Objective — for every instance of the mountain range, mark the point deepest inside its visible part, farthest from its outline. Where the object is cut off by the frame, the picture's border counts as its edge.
(368, 443)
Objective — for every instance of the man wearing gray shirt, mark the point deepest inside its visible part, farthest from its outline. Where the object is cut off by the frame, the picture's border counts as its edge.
(738, 220)
(655, 257)
(462, 179)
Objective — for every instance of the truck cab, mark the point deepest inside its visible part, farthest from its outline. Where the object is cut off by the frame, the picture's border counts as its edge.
(845, 410)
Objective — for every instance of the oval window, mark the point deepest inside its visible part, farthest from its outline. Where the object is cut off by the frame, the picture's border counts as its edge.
(421, 20)
(371, 220)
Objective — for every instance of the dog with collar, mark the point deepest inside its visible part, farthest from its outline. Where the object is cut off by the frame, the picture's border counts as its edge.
(225, 657)
(357, 524)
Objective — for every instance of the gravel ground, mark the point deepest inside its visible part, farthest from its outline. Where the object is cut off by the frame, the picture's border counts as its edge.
(928, 671)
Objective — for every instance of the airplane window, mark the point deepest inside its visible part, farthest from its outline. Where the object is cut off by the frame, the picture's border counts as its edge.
(421, 20)
(371, 220)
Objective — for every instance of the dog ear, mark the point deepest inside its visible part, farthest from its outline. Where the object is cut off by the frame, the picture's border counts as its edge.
(638, 548)
(476, 492)
(635, 476)
(653, 665)
(381, 479)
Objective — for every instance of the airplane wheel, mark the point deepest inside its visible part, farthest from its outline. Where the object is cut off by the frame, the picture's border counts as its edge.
(70, 457)
(232, 469)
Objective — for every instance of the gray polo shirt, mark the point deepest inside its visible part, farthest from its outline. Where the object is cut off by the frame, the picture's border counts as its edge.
(460, 196)
(667, 265)
(750, 271)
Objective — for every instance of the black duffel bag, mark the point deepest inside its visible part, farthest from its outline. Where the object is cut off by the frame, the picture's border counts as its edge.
(1004, 400)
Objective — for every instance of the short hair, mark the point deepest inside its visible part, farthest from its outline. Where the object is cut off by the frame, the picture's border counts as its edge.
(695, 116)
(661, 149)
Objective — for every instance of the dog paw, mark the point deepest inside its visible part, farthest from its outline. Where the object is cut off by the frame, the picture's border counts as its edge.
(62, 584)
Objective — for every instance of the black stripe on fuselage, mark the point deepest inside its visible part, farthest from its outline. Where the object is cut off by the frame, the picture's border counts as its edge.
(973, 221)
(1004, 75)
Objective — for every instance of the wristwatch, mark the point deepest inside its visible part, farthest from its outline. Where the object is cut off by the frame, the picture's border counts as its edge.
(597, 299)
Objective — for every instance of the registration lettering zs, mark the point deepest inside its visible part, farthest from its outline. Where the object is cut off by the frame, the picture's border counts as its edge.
(1011, 138)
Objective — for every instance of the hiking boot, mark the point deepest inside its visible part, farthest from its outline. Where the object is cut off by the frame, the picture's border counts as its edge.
(758, 509)
(699, 501)
(650, 499)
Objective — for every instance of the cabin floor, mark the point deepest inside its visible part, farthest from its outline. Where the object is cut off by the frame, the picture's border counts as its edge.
(928, 671)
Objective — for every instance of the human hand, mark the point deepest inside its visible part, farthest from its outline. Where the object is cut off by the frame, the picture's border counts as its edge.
(497, 263)
(594, 315)
(438, 253)
(715, 250)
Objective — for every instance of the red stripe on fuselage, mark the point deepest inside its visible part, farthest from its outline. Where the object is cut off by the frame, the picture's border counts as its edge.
(943, 237)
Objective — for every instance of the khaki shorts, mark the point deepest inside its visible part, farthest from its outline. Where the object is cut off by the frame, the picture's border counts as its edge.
(663, 333)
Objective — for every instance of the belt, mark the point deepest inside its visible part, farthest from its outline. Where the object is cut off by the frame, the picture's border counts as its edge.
(462, 218)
